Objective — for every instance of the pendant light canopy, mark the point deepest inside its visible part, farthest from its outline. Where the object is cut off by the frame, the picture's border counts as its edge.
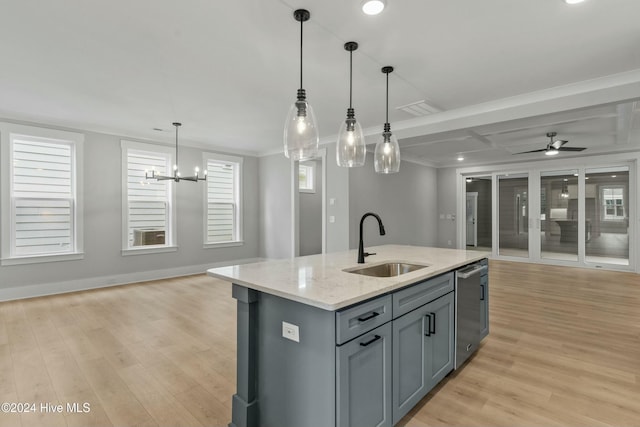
(300, 129)
(387, 154)
(351, 150)
(176, 172)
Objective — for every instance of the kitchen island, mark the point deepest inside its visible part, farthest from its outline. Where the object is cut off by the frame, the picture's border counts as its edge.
(319, 345)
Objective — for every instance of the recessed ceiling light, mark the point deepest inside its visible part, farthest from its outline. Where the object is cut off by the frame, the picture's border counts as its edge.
(373, 7)
(469, 180)
(573, 1)
(460, 158)
(613, 176)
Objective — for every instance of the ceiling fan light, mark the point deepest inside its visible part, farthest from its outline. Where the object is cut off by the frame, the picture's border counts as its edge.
(551, 152)
(373, 7)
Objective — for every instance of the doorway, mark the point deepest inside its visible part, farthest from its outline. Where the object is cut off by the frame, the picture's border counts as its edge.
(309, 205)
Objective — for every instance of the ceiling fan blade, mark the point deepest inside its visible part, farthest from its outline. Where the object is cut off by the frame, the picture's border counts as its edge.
(558, 143)
(572, 148)
(532, 151)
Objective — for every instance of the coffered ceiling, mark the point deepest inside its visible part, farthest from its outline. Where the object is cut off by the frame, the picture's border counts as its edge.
(495, 75)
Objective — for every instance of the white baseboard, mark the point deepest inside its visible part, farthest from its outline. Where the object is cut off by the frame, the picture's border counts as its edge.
(38, 290)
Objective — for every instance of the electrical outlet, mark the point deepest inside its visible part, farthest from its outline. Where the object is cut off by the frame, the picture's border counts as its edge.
(291, 332)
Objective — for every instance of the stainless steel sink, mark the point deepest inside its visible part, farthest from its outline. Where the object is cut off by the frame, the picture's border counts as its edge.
(387, 269)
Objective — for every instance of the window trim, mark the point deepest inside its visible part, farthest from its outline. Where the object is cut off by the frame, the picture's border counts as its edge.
(239, 195)
(171, 244)
(7, 132)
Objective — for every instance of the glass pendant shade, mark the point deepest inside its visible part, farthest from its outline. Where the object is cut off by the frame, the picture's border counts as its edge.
(351, 150)
(301, 132)
(386, 157)
(300, 128)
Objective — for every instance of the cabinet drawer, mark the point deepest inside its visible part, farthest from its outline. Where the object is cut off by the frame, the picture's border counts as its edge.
(360, 319)
(414, 296)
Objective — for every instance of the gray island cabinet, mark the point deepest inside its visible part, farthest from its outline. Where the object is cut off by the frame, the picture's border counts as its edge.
(320, 346)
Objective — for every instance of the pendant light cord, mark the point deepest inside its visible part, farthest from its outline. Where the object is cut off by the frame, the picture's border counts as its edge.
(301, 21)
(387, 117)
(350, 78)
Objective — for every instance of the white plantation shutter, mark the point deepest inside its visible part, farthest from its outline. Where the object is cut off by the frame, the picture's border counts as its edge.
(148, 201)
(42, 196)
(222, 209)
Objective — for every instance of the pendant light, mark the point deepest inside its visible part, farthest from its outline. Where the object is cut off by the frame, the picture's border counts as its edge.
(386, 157)
(351, 150)
(176, 173)
(300, 129)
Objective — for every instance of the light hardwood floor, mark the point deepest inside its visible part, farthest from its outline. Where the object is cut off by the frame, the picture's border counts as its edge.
(564, 350)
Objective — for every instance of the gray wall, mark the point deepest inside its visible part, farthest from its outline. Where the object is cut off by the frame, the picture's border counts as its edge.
(311, 215)
(447, 205)
(103, 225)
(275, 206)
(276, 199)
(406, 203)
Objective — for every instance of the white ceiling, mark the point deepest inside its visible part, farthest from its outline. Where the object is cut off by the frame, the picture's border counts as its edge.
(229, 71)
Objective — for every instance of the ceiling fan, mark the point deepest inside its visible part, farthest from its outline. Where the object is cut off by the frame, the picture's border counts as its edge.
(554, 146)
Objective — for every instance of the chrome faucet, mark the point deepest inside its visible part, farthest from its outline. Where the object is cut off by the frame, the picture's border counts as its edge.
(361, 252)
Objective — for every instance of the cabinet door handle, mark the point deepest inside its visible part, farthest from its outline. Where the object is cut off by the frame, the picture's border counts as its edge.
(369, 317)
(372, 340)
(481, 292)
(428, 333)
(433, 323)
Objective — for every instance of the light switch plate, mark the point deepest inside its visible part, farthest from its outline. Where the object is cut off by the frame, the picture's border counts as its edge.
(332, 201)
(332, 219)
(291, 332)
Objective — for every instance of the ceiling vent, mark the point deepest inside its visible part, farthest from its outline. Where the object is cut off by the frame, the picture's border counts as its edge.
(418, 109)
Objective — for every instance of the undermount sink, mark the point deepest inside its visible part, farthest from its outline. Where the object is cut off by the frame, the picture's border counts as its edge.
(387, 269)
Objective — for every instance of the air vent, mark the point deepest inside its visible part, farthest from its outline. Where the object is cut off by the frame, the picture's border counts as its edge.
(418, 109)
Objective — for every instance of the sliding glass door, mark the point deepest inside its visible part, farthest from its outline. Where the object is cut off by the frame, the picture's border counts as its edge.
(559, 215)
(513, 215)
(607, 209)
(574, 216)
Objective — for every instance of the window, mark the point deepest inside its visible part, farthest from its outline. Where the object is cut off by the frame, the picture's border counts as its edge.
(148, 205)
(613, 203)
(223, 207)
(306, 177)
(41, 209)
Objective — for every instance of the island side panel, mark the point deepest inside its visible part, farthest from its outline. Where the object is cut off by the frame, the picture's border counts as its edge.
(244, 405)
(296, 380)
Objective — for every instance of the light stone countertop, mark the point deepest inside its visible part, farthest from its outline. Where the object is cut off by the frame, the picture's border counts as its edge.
(319, 280)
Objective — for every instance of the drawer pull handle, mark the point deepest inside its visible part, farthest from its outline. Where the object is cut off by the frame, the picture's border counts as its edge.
(428, 333)
(431, 326)
(372, 340)
(433, 331)
(369, 317)
(481, 292)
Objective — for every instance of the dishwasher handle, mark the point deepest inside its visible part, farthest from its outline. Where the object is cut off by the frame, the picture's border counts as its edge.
(465, 273)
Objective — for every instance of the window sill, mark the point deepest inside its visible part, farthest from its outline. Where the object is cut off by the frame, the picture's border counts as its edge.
(223, 244)
(149, 250)
(35, 259)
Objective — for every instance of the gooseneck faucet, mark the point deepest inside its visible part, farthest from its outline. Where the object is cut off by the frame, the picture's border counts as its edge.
(361, 252)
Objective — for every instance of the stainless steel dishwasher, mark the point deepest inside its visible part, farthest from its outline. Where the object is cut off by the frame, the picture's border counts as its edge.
(468, 297)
